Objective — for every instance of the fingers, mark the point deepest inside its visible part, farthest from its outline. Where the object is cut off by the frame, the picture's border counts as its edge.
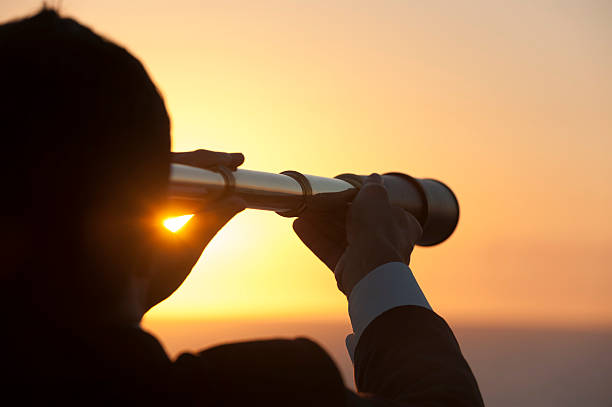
(328, 203)
(326, 249)
(208, 159)
(322, 227)
(371, 202)
(326, 212)
(412, 226)
(332, 228)
(373, 178)
(373, 189)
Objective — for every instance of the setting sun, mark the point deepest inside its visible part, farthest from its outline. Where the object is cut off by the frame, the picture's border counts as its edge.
(174, 224)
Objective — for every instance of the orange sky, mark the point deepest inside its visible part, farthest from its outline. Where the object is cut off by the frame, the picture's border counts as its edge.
(509, 104)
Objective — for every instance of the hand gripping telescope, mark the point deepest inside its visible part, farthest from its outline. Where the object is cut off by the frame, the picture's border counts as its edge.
(432, 203)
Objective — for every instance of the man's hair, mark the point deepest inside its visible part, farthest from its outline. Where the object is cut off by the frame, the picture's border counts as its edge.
(87, 142)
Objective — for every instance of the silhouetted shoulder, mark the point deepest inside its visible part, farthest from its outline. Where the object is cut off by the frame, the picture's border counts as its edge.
(277, 372)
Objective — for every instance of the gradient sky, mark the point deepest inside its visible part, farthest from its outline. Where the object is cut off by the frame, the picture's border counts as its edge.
(509, 103)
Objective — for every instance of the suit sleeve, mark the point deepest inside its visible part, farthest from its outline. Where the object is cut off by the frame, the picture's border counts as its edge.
(408, 356)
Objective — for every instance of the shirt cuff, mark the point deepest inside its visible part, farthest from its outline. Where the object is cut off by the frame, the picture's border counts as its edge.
(387, 286)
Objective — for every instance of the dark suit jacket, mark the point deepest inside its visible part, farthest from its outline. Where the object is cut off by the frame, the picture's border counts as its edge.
(408, 356)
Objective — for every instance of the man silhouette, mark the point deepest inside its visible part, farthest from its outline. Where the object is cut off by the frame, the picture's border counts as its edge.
(86, 173)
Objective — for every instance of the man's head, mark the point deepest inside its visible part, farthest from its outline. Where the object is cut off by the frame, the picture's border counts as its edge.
(86, 165)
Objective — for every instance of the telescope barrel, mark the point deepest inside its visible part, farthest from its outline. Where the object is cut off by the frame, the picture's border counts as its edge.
(430, 201)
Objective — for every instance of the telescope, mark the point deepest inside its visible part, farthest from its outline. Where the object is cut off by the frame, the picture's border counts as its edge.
(430, 201)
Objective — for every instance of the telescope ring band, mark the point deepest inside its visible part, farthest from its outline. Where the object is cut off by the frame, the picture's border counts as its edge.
(306, 193)
(228, 178)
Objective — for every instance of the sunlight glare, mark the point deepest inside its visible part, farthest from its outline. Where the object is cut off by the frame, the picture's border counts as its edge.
(174, 224)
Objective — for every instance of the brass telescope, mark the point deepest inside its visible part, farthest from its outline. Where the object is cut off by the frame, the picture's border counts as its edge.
(432, 203)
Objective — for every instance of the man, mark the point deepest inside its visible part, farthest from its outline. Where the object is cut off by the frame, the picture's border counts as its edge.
(86, 171)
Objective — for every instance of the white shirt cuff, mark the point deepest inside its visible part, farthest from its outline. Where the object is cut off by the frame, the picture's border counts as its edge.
(388, 286)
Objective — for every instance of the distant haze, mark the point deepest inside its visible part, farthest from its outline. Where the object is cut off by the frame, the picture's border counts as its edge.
(514, 366)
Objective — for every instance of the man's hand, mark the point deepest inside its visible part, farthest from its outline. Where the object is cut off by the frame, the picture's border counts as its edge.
(354, 242)
(176, 253)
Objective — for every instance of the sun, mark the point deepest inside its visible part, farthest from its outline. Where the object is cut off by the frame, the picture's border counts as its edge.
(174, 224)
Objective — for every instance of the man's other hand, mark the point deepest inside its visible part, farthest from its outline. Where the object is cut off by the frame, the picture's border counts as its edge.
(354, 241)
(177, 253)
